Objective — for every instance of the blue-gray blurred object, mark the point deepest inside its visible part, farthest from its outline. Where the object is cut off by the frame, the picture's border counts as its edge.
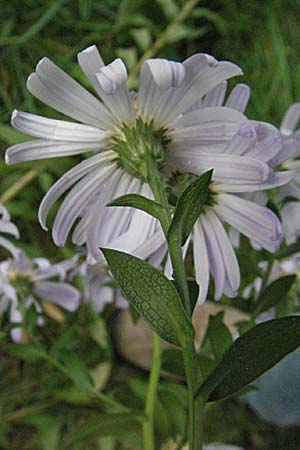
(277, 399)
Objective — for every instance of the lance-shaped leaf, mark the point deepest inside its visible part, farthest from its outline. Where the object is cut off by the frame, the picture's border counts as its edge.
(77, 370)
(219, 336)
(152, 295)
(27, 352)
(139, 202)
(100, 425)
(288, 251)
(189, 207)
(274, 293)
(251, 355)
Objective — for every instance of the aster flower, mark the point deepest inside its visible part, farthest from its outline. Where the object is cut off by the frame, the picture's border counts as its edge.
(7, 227)
(288, 131)
(288, 158)
(212, 249)
(23, 281)
(185, 140)
(290, 212)
(160, 119)
(227, 202)
(284, 162)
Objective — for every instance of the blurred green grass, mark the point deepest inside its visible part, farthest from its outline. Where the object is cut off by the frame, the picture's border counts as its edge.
(262, 37)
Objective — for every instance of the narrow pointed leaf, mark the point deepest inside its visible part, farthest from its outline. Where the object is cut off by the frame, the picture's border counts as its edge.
(189, 207)
(26, 352)
(219, 336)
(251, 355)
(205, 364)
(100, 425)
(139, 202)
(288, 251)
(152, 295)
(77, 370)
(273, 294)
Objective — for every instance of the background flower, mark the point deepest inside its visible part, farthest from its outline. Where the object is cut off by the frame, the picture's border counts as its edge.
(99, 286)
(25, 281)
(7, 227)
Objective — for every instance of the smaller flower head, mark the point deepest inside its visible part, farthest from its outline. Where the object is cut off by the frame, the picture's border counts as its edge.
(7, 227)
(237, 170)
(28, 282)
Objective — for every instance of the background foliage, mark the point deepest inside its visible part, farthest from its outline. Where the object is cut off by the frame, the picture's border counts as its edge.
(40, 406)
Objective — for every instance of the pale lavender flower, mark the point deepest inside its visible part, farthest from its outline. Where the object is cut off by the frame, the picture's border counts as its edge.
(290, 216)
(117, 132)
(184, 139)
(287, 141)
(213, 251)
(38, 280)
(7, 227)
(290, 213)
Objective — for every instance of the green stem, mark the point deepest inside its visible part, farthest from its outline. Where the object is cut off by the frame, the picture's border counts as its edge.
(148, 426)
(266, 276)
(198, 416)
(195, 408)
(156, 184)
(28, 410)
(155, 181)
(180, 274)
(195, 427)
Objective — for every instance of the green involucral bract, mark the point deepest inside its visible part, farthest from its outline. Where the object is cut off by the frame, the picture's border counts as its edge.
(135, 144)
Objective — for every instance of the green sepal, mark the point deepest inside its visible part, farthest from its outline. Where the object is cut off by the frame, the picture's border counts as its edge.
(152, 295)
